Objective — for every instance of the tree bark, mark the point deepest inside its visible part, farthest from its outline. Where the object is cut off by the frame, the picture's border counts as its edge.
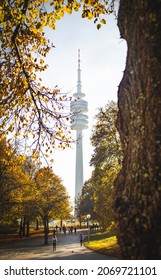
(61, 222)
(28, 228)
(24, 226)
(37, 224)
(46, 230)
(138, 185)
(20, 228)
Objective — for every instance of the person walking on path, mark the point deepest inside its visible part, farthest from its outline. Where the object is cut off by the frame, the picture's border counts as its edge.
(81, 238)
(54, 241)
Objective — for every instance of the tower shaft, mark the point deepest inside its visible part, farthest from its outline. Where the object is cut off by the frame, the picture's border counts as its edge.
(79, 107)
(79, 164)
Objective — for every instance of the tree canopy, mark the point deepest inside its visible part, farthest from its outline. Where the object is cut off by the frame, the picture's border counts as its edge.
(51, 198)
(98, 192)
(29, 109)
(27, 191)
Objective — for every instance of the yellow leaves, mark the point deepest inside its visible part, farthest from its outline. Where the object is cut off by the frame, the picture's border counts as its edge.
(1, 14)
(103, 21)
(95, 9)
(45, 99)
(59, 132)
(76, 6)
(61, 13)
(99, 26)
(21, 159)
(17, 134)
(5, 81)
(34, 29)
(9, 152)
(67, 9)
(50, 193)
(33, 13)
(90, 15)
(15, 117)
(11, 128)
(28, 98)
(16, 183)
(35, 157)
(40, 26)
(41, 61)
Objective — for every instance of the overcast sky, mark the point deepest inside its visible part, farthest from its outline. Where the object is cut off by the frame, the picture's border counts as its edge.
(103, 56)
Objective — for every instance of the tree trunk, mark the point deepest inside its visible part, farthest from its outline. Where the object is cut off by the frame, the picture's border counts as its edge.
(20, 229)
(46, 230)
(80, 223)
(138, 185)
(28, 228)
(61, 222)
(37, 224)
(24, 226)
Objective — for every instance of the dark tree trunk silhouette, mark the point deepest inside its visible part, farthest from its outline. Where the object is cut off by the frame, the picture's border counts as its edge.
(24, 226)
(46, 229)
(21, 228)
(138, 185)
(27, 228)
(37, 224)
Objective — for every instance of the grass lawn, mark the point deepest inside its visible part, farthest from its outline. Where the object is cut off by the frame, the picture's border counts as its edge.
(104, 243)
(11, 237)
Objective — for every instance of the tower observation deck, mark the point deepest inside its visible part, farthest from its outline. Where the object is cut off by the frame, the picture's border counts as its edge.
(79, 122)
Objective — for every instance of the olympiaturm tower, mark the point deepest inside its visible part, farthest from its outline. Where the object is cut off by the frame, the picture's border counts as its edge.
(79, 122)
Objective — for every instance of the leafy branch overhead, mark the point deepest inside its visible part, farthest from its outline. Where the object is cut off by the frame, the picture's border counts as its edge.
(28, 108)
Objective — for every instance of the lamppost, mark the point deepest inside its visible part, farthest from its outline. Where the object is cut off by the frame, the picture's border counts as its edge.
(88, 217)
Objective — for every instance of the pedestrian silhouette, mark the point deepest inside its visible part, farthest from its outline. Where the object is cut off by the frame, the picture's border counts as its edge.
(81, 238)
(54, 241)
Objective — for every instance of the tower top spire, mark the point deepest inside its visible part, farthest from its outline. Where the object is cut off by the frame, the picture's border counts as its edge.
(79, 59)
(79, 93)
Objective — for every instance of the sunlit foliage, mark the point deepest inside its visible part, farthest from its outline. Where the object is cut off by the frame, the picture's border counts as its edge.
(51, 198)
(29, 109)
(28, 192)
(16, 186)
(98, 192)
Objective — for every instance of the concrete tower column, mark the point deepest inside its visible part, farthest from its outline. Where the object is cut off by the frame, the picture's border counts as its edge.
(79, 164)
(79, 122)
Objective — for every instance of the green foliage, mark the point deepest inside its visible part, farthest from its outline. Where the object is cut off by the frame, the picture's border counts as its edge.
(85, 203)
(105, 138)
(98, 192)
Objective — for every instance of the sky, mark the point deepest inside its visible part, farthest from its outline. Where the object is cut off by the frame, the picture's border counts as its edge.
(103, 56)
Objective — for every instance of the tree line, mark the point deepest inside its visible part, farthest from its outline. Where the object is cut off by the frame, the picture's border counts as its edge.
(29, 193)
(97, 197)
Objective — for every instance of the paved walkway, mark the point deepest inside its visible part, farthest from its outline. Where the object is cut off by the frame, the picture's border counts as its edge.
(68, 248)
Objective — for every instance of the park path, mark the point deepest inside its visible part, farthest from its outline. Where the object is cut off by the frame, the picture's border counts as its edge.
(68, 248)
